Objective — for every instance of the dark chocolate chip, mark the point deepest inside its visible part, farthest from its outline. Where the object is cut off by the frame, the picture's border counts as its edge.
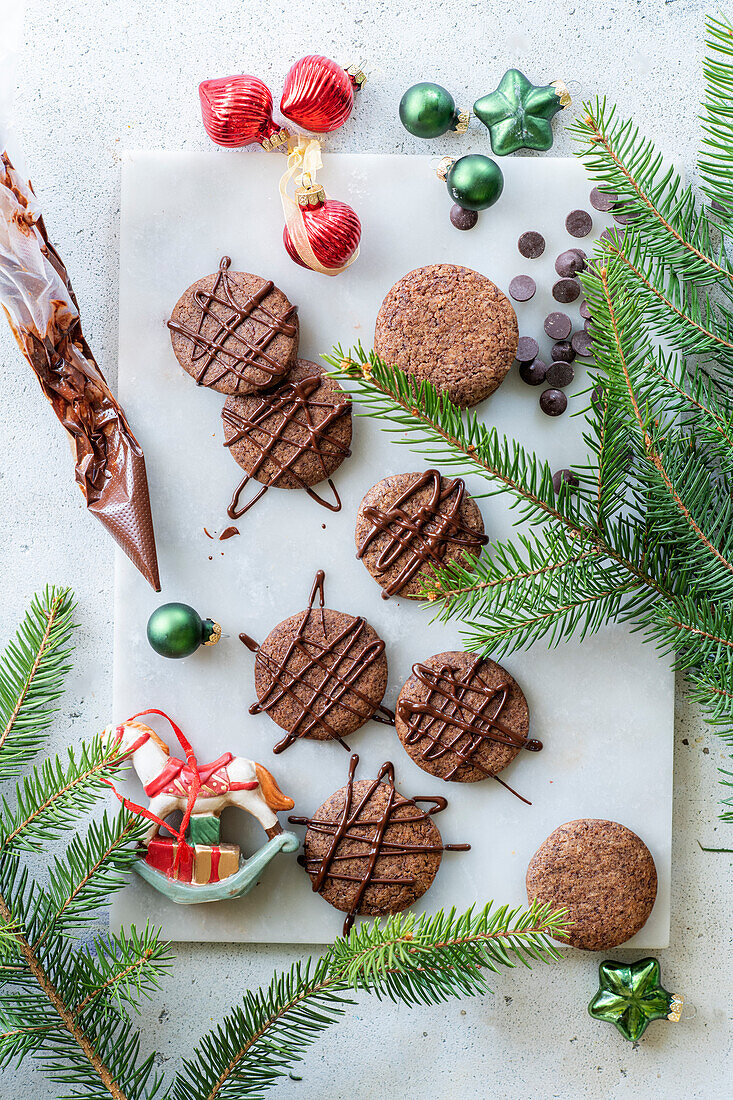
(596, 397)
(564, 477)
(566, 291)
(522, 288)
(531, 245)
(533, 373)
(463, 219)
(553, 402)
(582, 343)
(578, 223)
(559, 375)
(562, 352)
(570, 263)
(558, 326)
(587, 324)
(527, 349)
(584, 310)
(602, 200)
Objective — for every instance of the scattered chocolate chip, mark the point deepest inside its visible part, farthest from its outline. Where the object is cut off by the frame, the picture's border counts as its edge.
(558, 326)
(578, 223)
(596, 396)
(621, 218)
(566, 291)
(582, 343)
(533, 373)
(559, 375)
(553, 402)
(522, 288)
(562, 352)
(584, 310)
(531, 245)
(463, 219)
(609, 235)
(527, 349)
(570, 263)
(566, 477)
(587, 324)
(602, 200)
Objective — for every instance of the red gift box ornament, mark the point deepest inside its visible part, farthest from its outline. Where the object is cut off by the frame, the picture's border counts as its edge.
(319, 233)
(319, 94)
(237, 110)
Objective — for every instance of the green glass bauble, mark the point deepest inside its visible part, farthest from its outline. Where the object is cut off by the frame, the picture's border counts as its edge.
(475, 182)
(631, 995)
(427, 111)
(177, 630)
(518, 113)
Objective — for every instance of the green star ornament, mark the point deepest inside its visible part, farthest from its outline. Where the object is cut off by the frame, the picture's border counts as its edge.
(518, 113)
(631, 996)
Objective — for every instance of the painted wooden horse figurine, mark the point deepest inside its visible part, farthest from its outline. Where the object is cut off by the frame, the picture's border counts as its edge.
(229, 781)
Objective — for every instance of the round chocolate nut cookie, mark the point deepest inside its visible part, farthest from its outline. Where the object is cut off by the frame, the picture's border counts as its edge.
(451, 326)
(462, 718)
(295, 435)
(340, 862)
(408, 524)
(234, 332)
(603, 874)
(320, 674)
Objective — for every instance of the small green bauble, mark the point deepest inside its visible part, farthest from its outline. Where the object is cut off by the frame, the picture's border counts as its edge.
(631, 995)
(177, 630)
(518, 113)
(427, 111)
(475, 182)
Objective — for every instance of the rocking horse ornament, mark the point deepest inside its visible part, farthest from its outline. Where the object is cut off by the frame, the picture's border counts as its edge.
(200, 868)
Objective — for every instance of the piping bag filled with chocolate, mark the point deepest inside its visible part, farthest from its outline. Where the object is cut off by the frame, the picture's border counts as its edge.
(38, 300)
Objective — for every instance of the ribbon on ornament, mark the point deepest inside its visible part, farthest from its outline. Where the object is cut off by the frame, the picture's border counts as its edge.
(304, 162)
(193, 792)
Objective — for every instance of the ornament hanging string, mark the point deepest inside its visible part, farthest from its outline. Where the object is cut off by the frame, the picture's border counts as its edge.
(193, 791)
(304, 161)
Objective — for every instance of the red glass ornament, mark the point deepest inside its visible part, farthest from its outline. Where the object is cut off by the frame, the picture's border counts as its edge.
(237, 110)
(333, 230)
(318, 94)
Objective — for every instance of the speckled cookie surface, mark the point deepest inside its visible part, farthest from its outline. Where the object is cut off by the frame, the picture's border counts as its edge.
(234, 332)
(408, 523)
(293, 436)
(451, 326)
(320, 674)
(461, 718)
(602, 873)
(413, 872)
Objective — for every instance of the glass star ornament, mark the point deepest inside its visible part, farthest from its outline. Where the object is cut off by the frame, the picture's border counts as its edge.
(518, 113)
(631, 995)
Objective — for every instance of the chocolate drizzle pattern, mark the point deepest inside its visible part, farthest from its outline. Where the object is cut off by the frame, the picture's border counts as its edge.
(232, 347)
(273, 429)
(459, 711)
(372, 830)
(418, 534)
(320, 675)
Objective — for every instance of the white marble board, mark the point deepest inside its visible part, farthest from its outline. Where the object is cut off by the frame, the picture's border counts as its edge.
(604, 710)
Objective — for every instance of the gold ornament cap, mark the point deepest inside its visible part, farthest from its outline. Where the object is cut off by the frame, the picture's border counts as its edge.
(215, 634)
(277, 141)
(464, 117)
(675, 1008)
(444, 167)
(357, 75)
(562, 92)
(309, 195)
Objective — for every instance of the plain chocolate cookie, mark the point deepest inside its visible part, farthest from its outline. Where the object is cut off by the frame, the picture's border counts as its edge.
(234, 332)
(409, 523)
(320, 674)
(461, 717)
(295, 435)
(451, 326)
(603, 874)
(341, 861)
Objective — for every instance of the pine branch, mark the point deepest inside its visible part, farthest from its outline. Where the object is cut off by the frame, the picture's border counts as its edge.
(411, 959)
(716, 155)
(32, 672)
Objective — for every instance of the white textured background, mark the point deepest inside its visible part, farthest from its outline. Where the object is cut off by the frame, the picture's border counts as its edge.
(100, 76)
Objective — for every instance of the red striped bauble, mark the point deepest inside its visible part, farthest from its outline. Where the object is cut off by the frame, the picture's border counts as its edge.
(237, 110)
(318, 94)
(333, 230)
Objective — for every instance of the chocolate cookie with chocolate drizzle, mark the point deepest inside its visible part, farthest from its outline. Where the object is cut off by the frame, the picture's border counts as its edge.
(320, 674)
(292, 437)
(234, 332)
(463, 718)
(370, 850)
(409, 523)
